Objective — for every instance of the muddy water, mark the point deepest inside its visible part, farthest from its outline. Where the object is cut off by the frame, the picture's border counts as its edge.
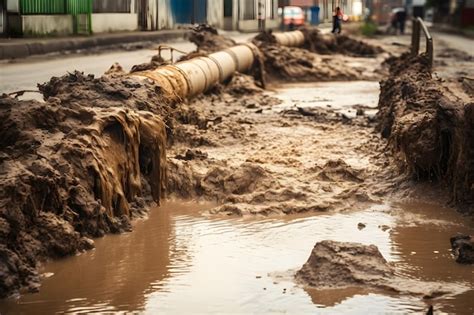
(342, 97)
(179, 261)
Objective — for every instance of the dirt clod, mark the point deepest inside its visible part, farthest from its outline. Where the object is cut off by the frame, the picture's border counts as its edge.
(333, 265)
(463, 248)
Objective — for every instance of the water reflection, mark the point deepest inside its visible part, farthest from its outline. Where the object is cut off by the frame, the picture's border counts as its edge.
(178, 261)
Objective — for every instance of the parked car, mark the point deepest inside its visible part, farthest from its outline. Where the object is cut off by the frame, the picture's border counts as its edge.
(292, 14)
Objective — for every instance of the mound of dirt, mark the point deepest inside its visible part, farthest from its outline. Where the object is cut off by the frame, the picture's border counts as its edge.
(293, 64)
(432, 132)
(311, 61)
(463, 248)
(208, 40)
(79, 165)
(328, 44)
(338, 44)
(335, 265)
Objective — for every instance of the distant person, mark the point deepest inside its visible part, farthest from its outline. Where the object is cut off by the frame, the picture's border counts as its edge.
(337, 21)
(392, 29)
(291, 26)
(401, 19)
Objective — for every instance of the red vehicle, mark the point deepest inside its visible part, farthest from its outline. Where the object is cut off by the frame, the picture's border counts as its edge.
(293, 14)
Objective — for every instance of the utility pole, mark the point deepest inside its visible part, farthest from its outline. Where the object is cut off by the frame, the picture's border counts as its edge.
(262, 14)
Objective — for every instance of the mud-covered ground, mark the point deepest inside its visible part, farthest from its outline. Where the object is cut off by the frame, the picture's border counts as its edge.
(99, 151)
(253, 154)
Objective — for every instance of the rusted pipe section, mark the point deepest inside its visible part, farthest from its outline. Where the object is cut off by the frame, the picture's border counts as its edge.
(290, 39)
(192, 77)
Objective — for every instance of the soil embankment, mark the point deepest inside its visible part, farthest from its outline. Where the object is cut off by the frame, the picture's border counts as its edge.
(321, 58)
(431, 132)
(83, 163)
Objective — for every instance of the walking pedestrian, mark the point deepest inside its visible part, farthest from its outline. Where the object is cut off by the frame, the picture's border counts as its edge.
(337, 21)
(401, 18)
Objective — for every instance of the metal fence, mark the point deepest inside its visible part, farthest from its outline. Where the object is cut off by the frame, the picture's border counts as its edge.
(418, 26)
(80, 10)
(42, 6)
(31, 7)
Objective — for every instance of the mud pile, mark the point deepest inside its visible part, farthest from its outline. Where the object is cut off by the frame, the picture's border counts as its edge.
(463, 248)
(208, 40)
(432, 132)
(335, 265)
(309, 62)
(328, 44)
(81, 164)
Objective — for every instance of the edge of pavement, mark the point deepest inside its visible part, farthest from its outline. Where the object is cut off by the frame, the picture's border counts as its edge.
(25, 47)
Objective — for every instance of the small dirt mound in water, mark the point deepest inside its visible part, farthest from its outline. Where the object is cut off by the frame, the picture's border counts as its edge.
(82, 164)
(334, 265)
(433, 133)
(463, 248)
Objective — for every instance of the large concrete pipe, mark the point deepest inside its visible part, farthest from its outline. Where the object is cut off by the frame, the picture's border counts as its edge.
(291, 39)
(194, 76)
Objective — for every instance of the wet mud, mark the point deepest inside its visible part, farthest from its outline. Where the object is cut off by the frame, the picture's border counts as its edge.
(316, 60)
(208, 40)
(98, 152)
(431, 130)
(79, 165)
(177, 254)
(463, 248)
(261, 154)
(339, 265)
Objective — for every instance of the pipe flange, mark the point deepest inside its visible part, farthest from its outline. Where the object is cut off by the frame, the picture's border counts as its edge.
(221, 71)
(188, 81)
(206, 86)
(234, 56)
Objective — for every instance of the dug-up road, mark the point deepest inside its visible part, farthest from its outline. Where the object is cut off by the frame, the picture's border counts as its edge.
(254, 181)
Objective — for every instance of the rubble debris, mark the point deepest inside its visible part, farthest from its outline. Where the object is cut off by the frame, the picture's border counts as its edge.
(361, 226)
(432, 133)
(463, 248)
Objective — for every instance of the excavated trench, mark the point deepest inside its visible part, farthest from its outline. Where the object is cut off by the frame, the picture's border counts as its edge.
(100, 151)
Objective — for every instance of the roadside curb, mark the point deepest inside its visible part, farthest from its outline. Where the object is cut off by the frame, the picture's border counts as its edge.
(46, 46)
(453, 30)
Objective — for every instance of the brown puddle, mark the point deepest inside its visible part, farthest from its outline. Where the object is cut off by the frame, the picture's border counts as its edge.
(179, 261)
(342, 97)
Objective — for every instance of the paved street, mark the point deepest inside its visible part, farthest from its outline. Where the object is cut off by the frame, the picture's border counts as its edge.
(24, 74)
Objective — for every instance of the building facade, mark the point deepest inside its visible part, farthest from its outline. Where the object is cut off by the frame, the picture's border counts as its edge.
(66, 17)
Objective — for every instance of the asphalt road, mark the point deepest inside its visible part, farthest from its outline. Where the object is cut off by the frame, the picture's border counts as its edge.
(25, 74)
